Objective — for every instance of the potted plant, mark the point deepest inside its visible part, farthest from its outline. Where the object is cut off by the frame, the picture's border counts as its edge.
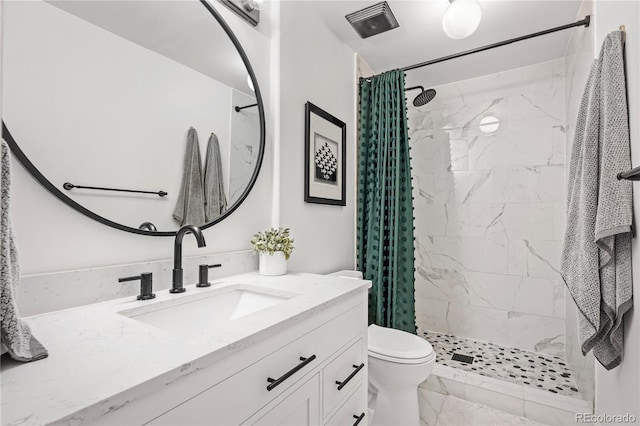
(275, 247)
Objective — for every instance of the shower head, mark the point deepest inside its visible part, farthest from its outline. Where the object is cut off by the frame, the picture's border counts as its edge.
(424, 97)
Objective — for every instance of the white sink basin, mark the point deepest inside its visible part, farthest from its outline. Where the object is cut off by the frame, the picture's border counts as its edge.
(201, 311)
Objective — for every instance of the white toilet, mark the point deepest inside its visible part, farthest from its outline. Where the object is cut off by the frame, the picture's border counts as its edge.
(398, 363)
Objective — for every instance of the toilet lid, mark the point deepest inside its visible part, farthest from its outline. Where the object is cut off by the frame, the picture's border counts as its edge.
(397, 344)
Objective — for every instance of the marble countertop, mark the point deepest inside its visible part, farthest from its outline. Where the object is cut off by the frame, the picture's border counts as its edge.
(96, 354)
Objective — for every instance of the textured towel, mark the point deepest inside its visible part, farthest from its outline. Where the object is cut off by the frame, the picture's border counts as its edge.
(16, 335)
(596, 257)
(190, 205)
(215, 202)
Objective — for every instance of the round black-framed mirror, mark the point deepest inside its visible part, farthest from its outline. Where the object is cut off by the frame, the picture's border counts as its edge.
(239, 196)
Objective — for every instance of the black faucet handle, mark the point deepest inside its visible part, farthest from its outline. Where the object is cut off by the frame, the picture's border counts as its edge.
(146, 285)
(204, 274)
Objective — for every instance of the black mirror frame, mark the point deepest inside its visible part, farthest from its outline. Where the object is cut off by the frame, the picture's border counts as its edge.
(36, 174)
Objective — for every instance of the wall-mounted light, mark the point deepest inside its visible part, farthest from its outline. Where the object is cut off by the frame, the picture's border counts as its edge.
(249, 10)
(489, 124)
(461, 18)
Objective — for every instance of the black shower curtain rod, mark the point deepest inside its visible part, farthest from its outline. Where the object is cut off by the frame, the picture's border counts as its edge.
(582, 23)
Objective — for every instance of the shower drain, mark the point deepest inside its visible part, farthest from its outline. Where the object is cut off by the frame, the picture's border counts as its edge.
(462, 358)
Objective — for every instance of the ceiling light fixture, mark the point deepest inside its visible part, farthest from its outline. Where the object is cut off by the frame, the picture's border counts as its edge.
(461, 18)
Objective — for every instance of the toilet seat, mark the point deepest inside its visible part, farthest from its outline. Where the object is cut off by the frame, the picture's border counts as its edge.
(398, 346)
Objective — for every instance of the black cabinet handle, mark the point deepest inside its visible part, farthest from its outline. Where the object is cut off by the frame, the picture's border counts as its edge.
(351, 376)
(285, 376)
(358, 419)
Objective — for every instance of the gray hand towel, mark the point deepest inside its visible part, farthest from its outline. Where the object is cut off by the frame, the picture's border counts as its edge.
(15, 334)
(215, 201)
(596, 256)
(189, 208)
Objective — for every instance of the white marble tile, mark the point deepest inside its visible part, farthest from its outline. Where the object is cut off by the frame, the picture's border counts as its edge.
(535, 184)
(460, 154)
(536, 333)
(563, 402)
(495, 385)
(537, 108)
(497, 400)
(430, 404)
(456, 411)
(511, 149)
(543, 258)
(457, 219)
(449, 372)
(485, 220)
(431, 314)
(445, 385)
(442, 284)
(559, 302)
(423, 190)
(511, 293)
(432, 150)
(484, 186)
(559, 221)
(528, 220)
(559, 144)
(474, 254)
(548, 415)
(479, 323)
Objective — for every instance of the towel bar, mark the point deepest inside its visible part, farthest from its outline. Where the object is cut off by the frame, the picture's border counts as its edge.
(633, 174)
(69, 186)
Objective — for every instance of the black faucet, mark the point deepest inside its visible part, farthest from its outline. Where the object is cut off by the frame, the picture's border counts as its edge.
(177, 254)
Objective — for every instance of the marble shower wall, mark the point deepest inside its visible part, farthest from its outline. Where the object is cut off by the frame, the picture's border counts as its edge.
(490, 208)
(578, 58)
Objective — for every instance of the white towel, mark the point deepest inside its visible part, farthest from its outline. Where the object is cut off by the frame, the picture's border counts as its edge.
(189, 208)
(596, 256)
(16, 335)
(215, 202)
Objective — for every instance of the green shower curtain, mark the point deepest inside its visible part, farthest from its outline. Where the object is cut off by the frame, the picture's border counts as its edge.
(385, 207)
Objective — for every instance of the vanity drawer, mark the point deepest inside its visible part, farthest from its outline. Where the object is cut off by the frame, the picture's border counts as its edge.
(248, 387)
(353, 411)
(342, 375)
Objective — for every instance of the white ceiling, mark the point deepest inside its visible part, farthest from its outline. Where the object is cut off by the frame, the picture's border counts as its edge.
(420, 36)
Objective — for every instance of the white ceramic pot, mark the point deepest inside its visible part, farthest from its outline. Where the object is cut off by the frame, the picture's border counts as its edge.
(273, 264)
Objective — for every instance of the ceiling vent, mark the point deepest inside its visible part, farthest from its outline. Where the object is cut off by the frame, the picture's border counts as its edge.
(373, 20)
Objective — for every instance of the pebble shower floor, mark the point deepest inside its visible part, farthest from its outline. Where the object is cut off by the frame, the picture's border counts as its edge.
(540, 371)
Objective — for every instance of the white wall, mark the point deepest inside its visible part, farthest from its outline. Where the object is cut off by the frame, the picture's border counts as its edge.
(618, 390)
(52, 237)
(314, 66)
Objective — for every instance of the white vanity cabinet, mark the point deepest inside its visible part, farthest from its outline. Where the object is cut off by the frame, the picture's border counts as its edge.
(311, 373)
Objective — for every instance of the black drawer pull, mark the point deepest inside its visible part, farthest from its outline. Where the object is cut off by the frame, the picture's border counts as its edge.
(358, 419)
(351, 376)
(294, 370)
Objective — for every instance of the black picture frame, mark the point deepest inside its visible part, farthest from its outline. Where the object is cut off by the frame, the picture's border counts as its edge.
(325, 150)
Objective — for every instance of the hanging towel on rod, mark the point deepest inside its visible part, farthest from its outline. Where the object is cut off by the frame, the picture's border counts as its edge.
(16, 337)
(596, 256)
(215, 201)
(189, 208)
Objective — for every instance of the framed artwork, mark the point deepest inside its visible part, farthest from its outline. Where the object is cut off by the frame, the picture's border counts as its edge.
(324, 152)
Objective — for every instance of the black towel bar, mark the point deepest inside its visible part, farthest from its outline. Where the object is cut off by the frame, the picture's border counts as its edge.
(633, 174)
(69, 186)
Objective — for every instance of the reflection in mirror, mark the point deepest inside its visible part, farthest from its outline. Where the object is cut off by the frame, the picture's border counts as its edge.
(103, 94)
